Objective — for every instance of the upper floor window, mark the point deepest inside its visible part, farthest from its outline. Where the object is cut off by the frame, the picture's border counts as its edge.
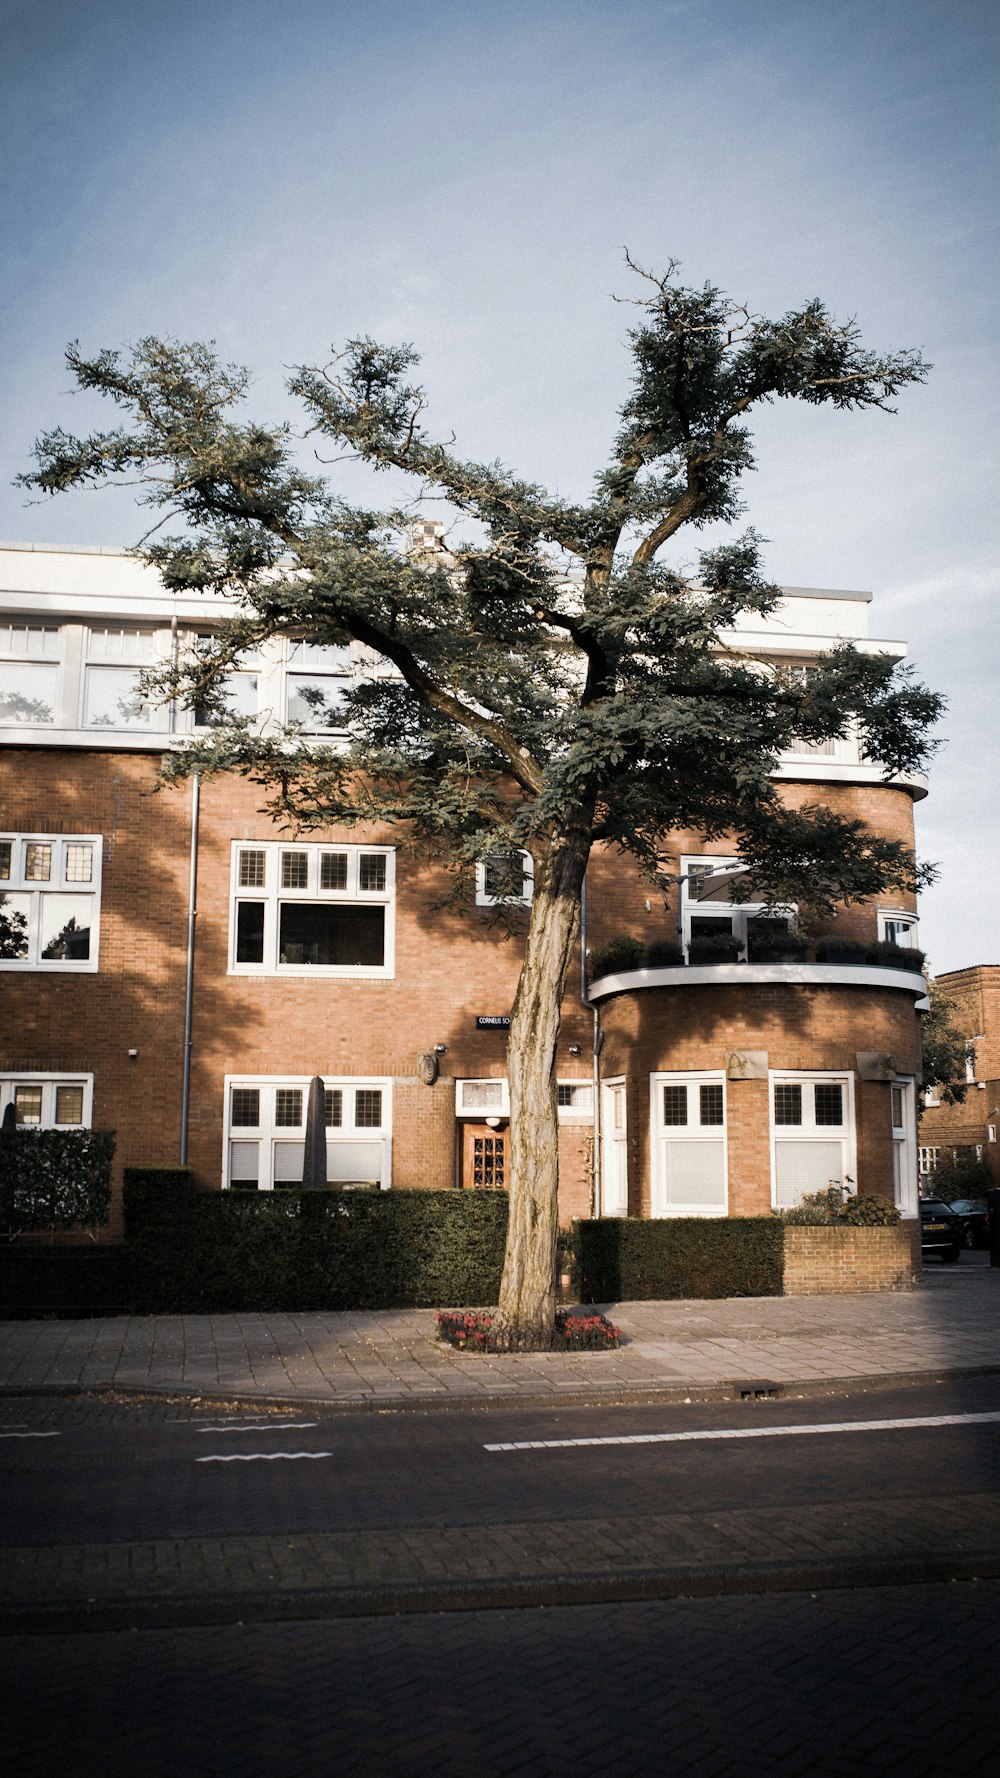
(117, 655)
(49, 901)
(505, 878)
(302, 908)
(897, 929)
(239, 690)
(707, 906)
(317, 680)
(29, 673)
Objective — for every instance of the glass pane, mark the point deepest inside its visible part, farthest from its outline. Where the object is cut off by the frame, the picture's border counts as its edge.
(294, 870)
(250, 932)
(333, 1108)
(69, 1105)
(316, 702)
(787, 1104)
(710, 925)
(252, 870)
(483, 1093)
(710, 1103)
(111, 642)
(372, 871)
(246, 1107)
(244, 1165)
(28, 1103)
(29, 639)
(5, 854)
(504, 876)
(28, 693)
(288, 1108)
(15, 912)
(829, 1104)
(79, 863)
(328, 935)
(675, 1103)
(113, 700)
(897, 1108)
(238, 693)
(335, 659)
(368, 1108)
(65, 928)
(333, 870)
(37, 864)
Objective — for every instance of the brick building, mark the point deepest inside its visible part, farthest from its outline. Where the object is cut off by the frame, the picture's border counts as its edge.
(971, 1126)
(176, 969)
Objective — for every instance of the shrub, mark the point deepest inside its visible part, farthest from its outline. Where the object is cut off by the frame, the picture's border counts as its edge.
(887, 955)
(619, 953)
(55, 1179)
(664, 954)
(215, 1252)
(623, 1259)
(72, 1281)
(471, 1331)
(837, 1206)
(841, 950)
(964, 1176)
(714, 947)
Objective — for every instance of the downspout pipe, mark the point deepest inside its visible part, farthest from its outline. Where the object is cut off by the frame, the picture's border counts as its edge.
(189, 967)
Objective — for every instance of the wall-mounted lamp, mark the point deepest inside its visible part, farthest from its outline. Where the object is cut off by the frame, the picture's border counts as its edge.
(574, 1049)
(133, 1054)
(493, 1123)
(440, 1049)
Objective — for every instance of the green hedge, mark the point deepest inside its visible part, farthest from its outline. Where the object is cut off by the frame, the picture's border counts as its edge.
(625, 1260)
(221, 1252)
(55, 1179)
(72, 1281)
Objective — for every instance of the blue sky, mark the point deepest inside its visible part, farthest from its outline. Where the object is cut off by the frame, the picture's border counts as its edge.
(280, 177)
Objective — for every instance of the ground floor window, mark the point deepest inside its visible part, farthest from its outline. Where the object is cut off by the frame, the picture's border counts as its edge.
(902, 1099)
(264, 1141)
(48, 1101)
(688, 1125)
(812, 1134)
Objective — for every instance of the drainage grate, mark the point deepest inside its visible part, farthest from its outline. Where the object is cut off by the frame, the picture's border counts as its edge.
(757, 1391)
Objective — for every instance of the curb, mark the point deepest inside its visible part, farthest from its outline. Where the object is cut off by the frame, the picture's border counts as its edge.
(738, 1389)
(504, 1593)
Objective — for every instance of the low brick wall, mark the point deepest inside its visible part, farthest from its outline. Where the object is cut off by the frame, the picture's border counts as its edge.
(831, 1261)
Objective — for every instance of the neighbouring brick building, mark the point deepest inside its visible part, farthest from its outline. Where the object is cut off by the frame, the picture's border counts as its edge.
(971, 1126)
(176, 969)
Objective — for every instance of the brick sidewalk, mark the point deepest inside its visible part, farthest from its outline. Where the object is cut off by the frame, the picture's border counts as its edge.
(364, 1572)
(392, 1359)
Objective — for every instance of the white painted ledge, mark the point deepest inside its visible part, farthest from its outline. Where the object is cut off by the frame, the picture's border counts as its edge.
(760, 975)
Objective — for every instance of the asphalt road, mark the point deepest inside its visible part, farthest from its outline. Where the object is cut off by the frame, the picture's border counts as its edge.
(81, 1471)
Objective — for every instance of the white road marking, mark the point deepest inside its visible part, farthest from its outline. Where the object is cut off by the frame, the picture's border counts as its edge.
(30, 1434)
(279, 1426)
(669, 1438)
(262, 1456)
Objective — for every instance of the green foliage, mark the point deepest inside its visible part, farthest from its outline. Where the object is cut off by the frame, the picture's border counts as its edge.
(625, 1260)
(221, 1252)
(65, 1281)
(834, 1206)
(964, 1176)
(631, 953)
(55, 1179)
(945, 1049)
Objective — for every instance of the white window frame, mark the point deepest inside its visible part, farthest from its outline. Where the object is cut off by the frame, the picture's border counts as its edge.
(49, 1082)
(899, 917)
(693, 1133)
(268, 1133)
(614, 1147)
(136, 662)
(272, 895)
(738, 913)
(581, 1112)
(905, 1177)
(468, 1106)
(485, 900)
(37, 655)
(19, 884)
(812, 1132)
(340, 678)
(928, 1156)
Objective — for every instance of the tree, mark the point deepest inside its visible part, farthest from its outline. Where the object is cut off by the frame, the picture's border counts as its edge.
(552, 683)
(945, 1051)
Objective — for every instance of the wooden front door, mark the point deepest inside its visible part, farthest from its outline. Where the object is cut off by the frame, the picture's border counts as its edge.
(484, 1157)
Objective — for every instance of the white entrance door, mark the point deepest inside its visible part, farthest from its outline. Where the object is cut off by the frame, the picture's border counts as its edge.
(614, 1149)
(688, 1126)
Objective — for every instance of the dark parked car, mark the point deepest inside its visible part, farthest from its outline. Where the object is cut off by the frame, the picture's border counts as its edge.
(941, 1229)
(975, 1221)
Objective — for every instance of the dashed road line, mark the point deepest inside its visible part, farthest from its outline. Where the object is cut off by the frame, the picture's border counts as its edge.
(282, 1426)
(262, 1456)
(30, 1435)
(670, 1438)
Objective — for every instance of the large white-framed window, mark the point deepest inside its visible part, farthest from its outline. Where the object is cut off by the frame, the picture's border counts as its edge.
(490, 1097)
(30, 658)
(928, 1158)
(317, 679)
(314, 908)
(50, 901)
(707, 906)
(265, 1125)
(896, 927)
(812, 1134)
(240, 691)
(688, 1125)
(48, 1101)
(843, 748)
(505, 879)
(903, 1116)
(116, 656)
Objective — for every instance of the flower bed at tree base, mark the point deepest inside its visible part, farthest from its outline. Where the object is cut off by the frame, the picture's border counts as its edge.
(470, 1330)
(833, 1260)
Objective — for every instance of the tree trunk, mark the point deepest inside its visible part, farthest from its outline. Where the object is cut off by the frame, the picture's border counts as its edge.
(526, 1318)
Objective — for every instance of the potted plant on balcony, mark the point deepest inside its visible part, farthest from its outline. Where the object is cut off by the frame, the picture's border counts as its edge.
(887, 955)
(623, 952)
(841, 950)
(663, 953)
(774, 940)
(713, 947)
